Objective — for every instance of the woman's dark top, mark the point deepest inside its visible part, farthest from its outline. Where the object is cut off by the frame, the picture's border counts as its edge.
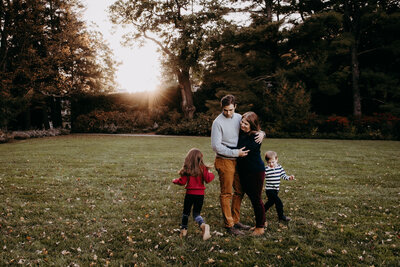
(252, 162)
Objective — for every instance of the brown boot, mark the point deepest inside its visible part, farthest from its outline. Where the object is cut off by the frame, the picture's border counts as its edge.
(258, 231)
(233, 231)
(183, 233)
(205, 228)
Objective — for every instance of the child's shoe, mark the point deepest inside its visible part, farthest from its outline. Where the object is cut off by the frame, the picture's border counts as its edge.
(284, 219)
(206, 231)
(183, 233)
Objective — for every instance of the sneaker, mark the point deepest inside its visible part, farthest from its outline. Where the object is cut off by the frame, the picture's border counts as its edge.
(284, 219)
(241, 226)
(234, 231)
(206, 231)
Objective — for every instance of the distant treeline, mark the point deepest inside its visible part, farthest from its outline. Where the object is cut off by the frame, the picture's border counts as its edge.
(307, 68)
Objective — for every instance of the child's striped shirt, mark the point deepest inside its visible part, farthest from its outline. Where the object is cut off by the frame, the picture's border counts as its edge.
(273, 177)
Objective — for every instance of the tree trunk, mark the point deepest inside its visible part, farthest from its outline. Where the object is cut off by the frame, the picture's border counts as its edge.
(268, 10)
(185, 87)
(352, 26)
(355, 71)
(4, 36)
(56, 112)
(45, 118)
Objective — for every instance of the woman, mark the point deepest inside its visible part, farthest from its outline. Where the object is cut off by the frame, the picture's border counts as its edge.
(251, 168)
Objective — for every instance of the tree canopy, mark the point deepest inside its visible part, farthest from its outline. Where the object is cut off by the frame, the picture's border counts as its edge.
(45, 52)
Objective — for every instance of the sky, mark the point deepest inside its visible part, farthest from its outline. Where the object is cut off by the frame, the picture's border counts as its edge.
(140, 66)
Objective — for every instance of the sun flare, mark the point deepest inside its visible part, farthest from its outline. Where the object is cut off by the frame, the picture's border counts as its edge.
(140, 68)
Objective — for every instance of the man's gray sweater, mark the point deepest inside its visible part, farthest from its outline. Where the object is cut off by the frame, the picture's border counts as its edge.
(225, 135)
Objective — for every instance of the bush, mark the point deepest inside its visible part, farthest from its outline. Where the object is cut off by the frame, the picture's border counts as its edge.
(199, 126)
(3, 137)
(21, 135)
(113, 122)
(378, 126)
(334, 124)
(383, 123)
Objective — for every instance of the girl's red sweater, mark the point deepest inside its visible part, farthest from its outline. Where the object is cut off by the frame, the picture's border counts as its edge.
(195, 185)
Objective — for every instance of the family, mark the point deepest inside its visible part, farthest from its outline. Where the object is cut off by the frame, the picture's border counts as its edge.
(236, 140)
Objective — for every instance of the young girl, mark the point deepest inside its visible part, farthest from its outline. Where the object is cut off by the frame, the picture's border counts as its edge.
(193, 174)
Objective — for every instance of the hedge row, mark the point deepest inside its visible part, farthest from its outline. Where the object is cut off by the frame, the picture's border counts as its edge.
(378, 126)
(20, 135)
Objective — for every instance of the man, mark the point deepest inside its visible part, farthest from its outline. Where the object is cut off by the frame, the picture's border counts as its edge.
(224, 139)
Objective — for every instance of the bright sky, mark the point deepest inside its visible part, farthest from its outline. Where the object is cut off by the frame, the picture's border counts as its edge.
(140, 68)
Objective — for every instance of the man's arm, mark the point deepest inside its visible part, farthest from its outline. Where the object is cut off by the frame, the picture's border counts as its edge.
(260, 135)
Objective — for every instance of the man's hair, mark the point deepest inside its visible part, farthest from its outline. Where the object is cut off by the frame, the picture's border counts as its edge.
(270, 155)
(227, 100)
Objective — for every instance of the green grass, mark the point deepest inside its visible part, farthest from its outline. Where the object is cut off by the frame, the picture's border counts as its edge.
(109, 200)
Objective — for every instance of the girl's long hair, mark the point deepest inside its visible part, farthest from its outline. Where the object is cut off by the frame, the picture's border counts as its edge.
(252, 119)
(193, 165)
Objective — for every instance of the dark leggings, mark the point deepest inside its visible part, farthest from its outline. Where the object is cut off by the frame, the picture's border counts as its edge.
(197, 202)
(252, 185)
(274, 199)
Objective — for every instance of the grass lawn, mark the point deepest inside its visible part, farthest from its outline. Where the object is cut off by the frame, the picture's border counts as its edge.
(84, 200)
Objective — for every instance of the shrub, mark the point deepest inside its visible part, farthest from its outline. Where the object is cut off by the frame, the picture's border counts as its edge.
(383, 123)
(378, 126)
(21, 135)
(199, 126)
(3, 137)
(335, 124)
(112, 122)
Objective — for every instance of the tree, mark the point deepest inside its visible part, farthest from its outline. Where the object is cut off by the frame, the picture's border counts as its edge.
(337, 44)
(180, 29)
(45, 52)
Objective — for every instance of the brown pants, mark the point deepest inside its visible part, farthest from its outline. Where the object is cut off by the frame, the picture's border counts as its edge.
(229, 178)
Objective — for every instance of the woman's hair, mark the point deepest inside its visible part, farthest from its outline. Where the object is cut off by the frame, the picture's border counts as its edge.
(227, 100)
(252, 119)
(270, 155)
(193, 165)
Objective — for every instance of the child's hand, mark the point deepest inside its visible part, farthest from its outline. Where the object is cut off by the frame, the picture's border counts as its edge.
(291, 177)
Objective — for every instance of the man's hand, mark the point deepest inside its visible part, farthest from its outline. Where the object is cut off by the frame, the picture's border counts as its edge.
(259, 137)
(242, 152)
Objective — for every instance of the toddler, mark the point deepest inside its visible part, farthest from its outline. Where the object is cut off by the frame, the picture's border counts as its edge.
(193, 174)
(273, 174)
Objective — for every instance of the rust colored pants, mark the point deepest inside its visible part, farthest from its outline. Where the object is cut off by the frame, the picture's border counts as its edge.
(229, 178)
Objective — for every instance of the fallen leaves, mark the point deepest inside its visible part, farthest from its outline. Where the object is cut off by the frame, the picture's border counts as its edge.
(329, 252)
(210, 261)
(65, 252)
